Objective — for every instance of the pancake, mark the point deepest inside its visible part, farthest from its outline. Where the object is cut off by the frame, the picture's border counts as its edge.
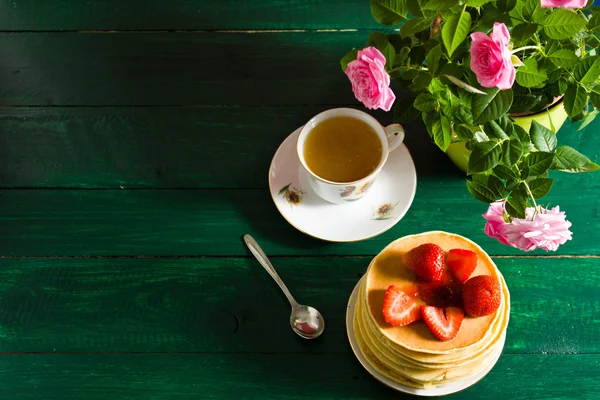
(411, 355)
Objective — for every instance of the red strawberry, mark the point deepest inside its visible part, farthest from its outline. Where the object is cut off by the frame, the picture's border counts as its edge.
(481, 295)
(444, 323)
(462, 263)
(399, 309)
(440, 294)
(427, 260)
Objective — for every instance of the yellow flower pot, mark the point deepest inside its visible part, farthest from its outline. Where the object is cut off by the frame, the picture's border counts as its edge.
(555, 116)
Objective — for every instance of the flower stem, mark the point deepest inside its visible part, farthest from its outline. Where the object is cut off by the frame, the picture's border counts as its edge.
(525, 48)
(532, 198)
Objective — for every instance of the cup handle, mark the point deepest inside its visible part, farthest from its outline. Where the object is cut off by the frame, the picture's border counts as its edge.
(395, 136)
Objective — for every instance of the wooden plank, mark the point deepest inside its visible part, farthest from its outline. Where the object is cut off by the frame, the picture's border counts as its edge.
(203, 68)
(183, 147)
(36, 15)
(231, 305)
(211, 222)
(262, 376)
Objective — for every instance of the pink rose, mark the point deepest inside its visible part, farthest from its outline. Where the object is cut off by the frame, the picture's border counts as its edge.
(491, 58)
(563, 3)
(546, 230)
(370, 81)
(494, 227)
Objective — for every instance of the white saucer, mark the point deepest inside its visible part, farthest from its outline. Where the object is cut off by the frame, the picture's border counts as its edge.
(442, 390)
(380, 209)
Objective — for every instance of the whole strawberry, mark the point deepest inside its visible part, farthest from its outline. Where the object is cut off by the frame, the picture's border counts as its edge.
(427, 260)
(481, 295)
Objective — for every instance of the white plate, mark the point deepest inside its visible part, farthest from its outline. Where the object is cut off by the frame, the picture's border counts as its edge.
(448, 388)
(380, 209)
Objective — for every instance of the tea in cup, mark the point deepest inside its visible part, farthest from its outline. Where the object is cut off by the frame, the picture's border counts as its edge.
(342, 151)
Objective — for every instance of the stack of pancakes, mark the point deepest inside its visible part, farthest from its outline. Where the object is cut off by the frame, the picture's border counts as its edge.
(411, 355)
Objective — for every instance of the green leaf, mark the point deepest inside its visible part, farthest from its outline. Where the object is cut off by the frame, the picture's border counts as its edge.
(442, 132)
(439, 5)
(389, 12)
(516, 204)
(540, 187)
(425, 102)
(563, 24)
(415, 7)
(381, 42)
(512, 150)
(532, 11)
(433, 58)
(543, 138)
(455, 30)
(480, 192)
(588, 119)
(564, 58)
(504, 172)
(485, 155)
(530, 74)
(414, 25)
(575, 100)
(588, 70)
(538, 162)
(463, 85)
(349, 57)
(567, 159)
(477, 3)
(594, 23)
(421, 82)
(404, 111)
(493, 129)
(479, 137)
(524, 31)
(595, 98)
(506, 5)
(496, 186)
(463, 132)
(520, 134)
(492, 105)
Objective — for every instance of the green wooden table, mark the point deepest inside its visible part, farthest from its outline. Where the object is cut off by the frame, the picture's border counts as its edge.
(135, 140)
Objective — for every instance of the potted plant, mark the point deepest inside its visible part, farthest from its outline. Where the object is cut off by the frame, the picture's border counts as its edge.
(492, 81)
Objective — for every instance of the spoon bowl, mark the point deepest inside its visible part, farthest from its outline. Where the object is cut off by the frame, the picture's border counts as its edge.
(307, 322)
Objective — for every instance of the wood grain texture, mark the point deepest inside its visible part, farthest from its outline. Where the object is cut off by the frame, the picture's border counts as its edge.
(211, 222)
(203, 68)
(263, 376)
(185, 147)
(231, 305)
(58, 15)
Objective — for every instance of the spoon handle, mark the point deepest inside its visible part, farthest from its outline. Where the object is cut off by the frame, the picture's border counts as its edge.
(264, 261)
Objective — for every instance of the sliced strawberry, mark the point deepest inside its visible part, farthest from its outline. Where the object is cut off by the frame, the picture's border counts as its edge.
(481, 295)
(399, 309)
(444, 323)
(440, 294)
(427, 260)
(462, 263)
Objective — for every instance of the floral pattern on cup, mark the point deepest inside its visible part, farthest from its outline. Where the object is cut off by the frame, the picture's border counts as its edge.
(291, 194)
(384, 211)
(347, 191)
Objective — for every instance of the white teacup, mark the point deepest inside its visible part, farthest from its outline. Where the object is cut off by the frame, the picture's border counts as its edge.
(340, 192)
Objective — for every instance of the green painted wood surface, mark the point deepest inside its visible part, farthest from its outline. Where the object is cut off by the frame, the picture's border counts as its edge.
(231, 305)
(203, 320)
(266, 376)
(186, 147)
(211, 222)
(58, 15)
(203, 68)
